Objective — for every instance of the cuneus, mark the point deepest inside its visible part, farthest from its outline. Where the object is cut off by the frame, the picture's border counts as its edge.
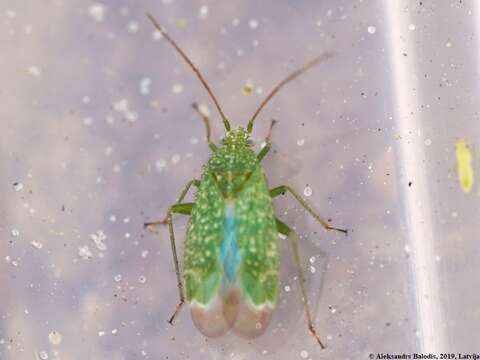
(231, 263)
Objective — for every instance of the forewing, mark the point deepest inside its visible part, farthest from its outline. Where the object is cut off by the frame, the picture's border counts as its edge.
(259, 248)
(202, 272)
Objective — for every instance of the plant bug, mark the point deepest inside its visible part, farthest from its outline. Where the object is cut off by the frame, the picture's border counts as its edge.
(231, 260)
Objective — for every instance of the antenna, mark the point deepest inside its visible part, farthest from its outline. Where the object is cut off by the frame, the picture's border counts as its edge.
(292, 76)
(195, 70)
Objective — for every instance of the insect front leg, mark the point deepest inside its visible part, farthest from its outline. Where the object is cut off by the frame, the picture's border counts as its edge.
(293, 238)
(206, 121)
(268, 142)
(281, 190)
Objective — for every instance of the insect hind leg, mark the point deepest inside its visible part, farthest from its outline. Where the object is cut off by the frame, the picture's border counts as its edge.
(294, 239)
(177, 208)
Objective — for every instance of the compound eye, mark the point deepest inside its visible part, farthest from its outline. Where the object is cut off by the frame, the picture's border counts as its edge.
(250, 142)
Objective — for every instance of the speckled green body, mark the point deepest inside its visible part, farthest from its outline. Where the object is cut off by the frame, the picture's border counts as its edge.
(233, 184)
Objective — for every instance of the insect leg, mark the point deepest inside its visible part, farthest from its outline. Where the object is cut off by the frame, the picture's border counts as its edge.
(177, 208)
(268, 142)
(281, 190)
(206, 121)
(151, 225)
(293, 237)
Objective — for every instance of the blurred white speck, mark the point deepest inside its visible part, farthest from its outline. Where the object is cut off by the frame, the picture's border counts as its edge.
(126, 220)
(448, 44)
(307, 191)
(312, 259)
(438, 258)
(144, 253)
(124, 11)
(312, 269)
(15, 232)
(121, 105)
(160, 165)
(101, 333)
(117, 278)
(371, 29)
(108, 150)
(132, 26)
(86, 99)
(203, 12)
(287, 288)
(142, 279)
(97, 11)
(156, 35)
(203, 108)
(10, 13)
(253, 23)
(28, 29)
(17, 186)
(304, 354)
(329, 12)
(87, 121)
(114, 331)
(194, 141)
(55, 337)
(300, 142)
(43, 355)
(428, 142)
(177, 88)
(255, 43)
(127, 235)
(84, 252)
(454, 214)
(236, 22)
(34, 70)
(144, 85)
(99, 239)
(36, 244)
(175, 159)
(406, 248)
(113, 218)
(411, 27)
(240, 52)
(116, 168)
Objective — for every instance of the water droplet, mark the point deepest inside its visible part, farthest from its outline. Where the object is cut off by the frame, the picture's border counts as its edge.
(304, 354)
(144, 253)
(371, 29)
(117, 278)
(97, 12)
(287, 288)
(142, 279)
(55, 337)
(177, 88)
(203, 11)
(132, 27)
(307, 191)
(253, 23)
(84, 252)
(37, 244)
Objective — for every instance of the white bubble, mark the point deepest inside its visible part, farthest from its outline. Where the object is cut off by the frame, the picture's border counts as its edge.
(142, 279)
(203, 11)
(117, 278)
(177, 88)
(307, 191)
(304, 354)
(55, 337)
(371, 29)
(97, 12)
(287, 288)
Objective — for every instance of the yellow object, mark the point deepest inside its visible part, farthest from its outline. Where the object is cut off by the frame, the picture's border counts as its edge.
(464, 163)
(248, 88)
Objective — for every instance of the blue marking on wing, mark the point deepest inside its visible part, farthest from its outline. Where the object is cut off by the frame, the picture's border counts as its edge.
(229, 252)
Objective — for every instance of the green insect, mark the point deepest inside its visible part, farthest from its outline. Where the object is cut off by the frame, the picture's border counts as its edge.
(231, 260)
